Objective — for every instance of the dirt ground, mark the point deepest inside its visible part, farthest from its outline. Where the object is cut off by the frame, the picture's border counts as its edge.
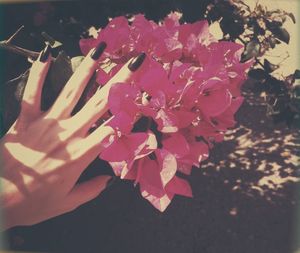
(244, 202)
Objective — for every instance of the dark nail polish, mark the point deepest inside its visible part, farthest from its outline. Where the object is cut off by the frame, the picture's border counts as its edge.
(137, 62)
(45, 53)
(111, 181)
(98, 51)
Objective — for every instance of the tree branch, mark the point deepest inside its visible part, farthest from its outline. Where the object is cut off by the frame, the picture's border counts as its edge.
(6, 45)
(18, 50)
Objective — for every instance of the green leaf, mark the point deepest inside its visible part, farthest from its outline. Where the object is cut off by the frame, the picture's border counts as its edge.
(252, 49)
(257, 74)
(269, 67)
(275, 86)
(282, 34)
(273, 42)
(296, 89)
(291, 15)
(297, 74)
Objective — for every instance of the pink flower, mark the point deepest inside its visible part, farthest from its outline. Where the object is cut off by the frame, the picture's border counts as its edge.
(177, 105)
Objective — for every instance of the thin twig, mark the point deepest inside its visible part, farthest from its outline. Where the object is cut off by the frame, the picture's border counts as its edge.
(241, 40)
(14, 35)
(6, 45)
(19, 50)
(259, 63)
(287, 56)
(246, 5)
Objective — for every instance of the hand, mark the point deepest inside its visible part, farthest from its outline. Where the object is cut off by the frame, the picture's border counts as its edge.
(44, 153)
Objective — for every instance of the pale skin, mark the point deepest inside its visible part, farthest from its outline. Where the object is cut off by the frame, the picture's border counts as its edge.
(44, 153)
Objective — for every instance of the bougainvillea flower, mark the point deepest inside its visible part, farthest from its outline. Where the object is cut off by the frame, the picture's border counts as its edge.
(176, 106)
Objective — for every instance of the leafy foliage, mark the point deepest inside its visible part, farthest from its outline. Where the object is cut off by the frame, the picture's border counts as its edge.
(261, 30)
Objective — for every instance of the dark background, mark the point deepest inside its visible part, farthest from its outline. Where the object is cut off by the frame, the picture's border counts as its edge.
(120, 220)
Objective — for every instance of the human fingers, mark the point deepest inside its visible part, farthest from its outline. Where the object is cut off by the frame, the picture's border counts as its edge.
(31, 101)
(98, 103)
(85, 192)
(73, 89)
(90, 146)
(82, 151)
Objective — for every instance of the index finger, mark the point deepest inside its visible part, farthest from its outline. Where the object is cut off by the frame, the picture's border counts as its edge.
(72, 91)
(97, 105)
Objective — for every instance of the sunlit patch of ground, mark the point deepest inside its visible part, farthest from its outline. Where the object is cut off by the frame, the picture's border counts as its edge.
(262, 157)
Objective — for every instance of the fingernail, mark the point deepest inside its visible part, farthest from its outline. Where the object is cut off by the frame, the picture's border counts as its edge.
(98, 50)
(45, 53)
(111, 181)
(137, 62)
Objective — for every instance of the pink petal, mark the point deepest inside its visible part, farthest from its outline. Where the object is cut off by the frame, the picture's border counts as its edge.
(118, 167)
(173, 50)
(158, 101)
(149, 145)
(185, 118)
(167, 121)
(226, 51)
(185, 167)
(177, 145)
(118, 151)
(128, 147)
(172, 20)
(117, 36)
(129, 171)
(141, 143)
(102, 77)
(122, 122)
(215, 102)
(187, 29)
(179, 186)
(168, 165)
(87, 44)
(198, 152)
(204, 128)
(178, 69)
(235, 86)
(140, 25)
(149, 177)
(153, 80)
(121, 98)
(226, 119)
(211, 84)
(160, 203)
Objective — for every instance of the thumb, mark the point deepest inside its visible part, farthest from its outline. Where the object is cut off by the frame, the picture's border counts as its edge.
(85, 192)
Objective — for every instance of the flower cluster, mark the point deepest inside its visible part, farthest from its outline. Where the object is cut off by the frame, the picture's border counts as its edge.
(176, 107)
